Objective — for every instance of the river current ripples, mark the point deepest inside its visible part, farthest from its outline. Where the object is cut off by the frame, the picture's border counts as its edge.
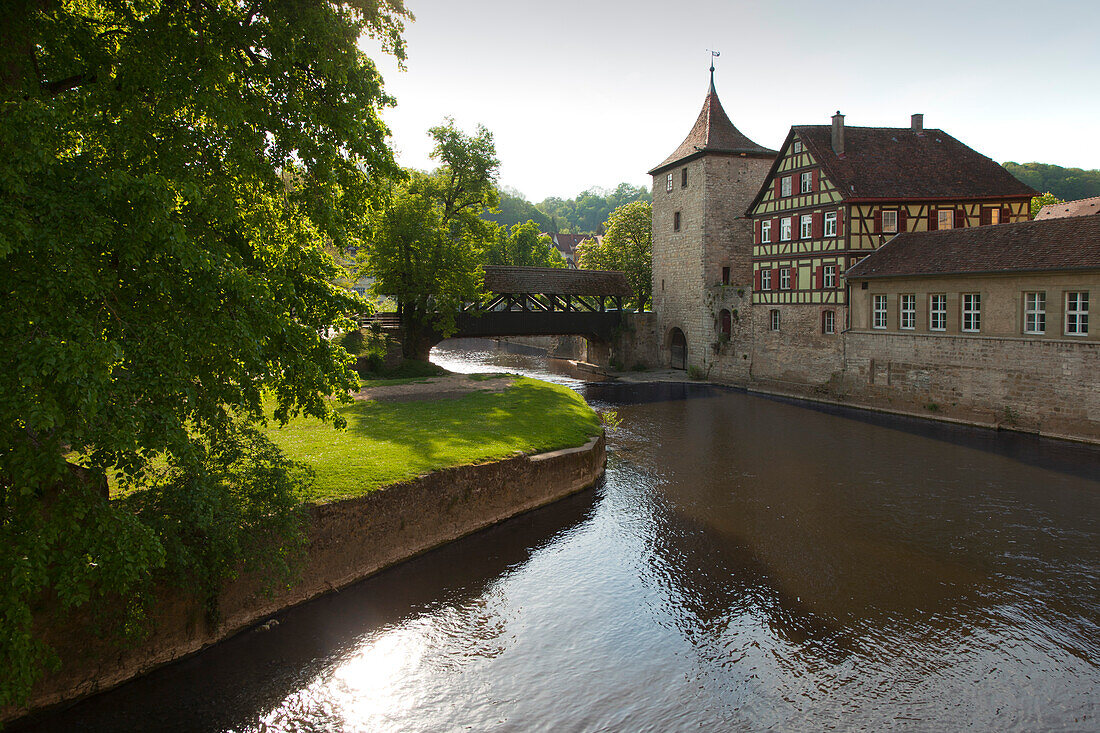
(746, 564)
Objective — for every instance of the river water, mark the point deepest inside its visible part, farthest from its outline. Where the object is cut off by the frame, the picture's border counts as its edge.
(746, 564)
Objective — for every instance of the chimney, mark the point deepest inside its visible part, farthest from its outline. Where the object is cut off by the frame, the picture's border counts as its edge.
(838, 133)
(918, 124)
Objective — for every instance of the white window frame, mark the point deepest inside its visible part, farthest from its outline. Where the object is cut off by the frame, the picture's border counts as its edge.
(766, 279)
(892, 226)
(943, 215)
(785, 186)
(668, 184)
(1077, 313)
(796, 146)
(784, 278)
(806, 226)
(785, 226)
(828, 279)
(907, 311)
(830, 223)
(878, 311)
(971, 306)
(773, 317)
(1035, 312)
(937, 312)
(806, 182)
(828, 324)
(766, 231)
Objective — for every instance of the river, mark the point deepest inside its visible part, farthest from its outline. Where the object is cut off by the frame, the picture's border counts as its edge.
(746, 564)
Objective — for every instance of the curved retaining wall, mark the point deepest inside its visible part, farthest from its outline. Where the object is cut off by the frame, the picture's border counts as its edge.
(348, 540)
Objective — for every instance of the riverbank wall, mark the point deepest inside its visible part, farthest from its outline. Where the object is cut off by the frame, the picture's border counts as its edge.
(348, 541)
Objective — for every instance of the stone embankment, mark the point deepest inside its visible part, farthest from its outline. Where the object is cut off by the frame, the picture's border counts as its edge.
(348, 541)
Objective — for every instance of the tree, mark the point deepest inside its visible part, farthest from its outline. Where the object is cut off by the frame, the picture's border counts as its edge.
(1067, 184)
(523, 247)
(515, 209)
(1043, 199)
(627, 246)
(161, 271)
(425, 248)
(588, 211)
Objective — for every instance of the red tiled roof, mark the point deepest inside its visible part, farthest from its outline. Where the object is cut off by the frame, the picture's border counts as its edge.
(1080, 207)
(555, 281)
(898, 163)
(713, 133)
(1032, 246)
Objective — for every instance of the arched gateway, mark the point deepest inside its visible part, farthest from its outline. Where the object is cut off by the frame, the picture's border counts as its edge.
(678, 347)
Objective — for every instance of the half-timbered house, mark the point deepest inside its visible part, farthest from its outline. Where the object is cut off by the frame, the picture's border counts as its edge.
(835, 194)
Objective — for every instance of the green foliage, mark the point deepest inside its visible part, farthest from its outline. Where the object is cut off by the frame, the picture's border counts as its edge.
(425, 246)
(1068, 184)
(170, 175)
(396, 441)
(1044, 199)
(627, 246)
(523, 247)
(696, 372)
(237, 510)
(514, 209)
(590, 209)
(610, 419)
(409, 370)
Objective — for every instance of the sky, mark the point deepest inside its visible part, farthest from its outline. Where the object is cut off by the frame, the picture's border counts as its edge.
(593, 93)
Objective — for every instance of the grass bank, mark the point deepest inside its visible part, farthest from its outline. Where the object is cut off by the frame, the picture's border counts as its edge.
(387, 442)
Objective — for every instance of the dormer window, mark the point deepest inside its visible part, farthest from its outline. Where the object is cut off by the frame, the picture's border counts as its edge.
(796, 146)
(785, 186)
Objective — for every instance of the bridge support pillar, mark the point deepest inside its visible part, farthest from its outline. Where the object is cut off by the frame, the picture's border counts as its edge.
(599, 352)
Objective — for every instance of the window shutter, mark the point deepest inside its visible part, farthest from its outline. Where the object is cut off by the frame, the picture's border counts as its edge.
(933, 224)
(903, 218)
(987, 216)
(794, 227)
(816, 181)
(1006, 215)
(756, 281)
(878, 221)
(840, 222)
(818, 227)
(794, 278)
(775, 278)
(777, 189)
(819, 277)
(775, 230)
(960, 218)
(758, 231)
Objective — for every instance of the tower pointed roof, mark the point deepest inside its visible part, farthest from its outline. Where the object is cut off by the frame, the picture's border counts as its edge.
(714, 133)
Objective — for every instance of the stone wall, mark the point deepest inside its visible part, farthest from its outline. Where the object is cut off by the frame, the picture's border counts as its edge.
(1044, 385)
(635, 343)
(348, 540)
(798, 352)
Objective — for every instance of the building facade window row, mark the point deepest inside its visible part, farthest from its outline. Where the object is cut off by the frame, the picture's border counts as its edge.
(813, 225)
(1075, 320)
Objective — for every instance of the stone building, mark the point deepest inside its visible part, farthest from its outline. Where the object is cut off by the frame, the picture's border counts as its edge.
(835, 194)
(702, 272)
(995, 318)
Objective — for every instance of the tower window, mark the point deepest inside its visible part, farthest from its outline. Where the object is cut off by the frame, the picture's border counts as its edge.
(725, 276)
(668, 183)
(775, 319)
(684, 178)
(676, 222)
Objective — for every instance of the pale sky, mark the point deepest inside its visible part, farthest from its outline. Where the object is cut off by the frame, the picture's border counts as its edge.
(581, 94)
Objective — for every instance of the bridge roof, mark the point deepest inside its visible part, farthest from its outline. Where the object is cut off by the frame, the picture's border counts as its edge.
(555, 281)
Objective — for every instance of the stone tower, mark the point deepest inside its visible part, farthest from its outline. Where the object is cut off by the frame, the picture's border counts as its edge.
(702, 245)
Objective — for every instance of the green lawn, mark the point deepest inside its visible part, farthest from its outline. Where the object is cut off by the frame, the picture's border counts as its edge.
(386, 442)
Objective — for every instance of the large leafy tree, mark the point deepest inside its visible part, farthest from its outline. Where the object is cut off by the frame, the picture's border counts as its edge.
(523, 246)
(1043, 199)
(426, 245)
(627, 246)
(170, 172)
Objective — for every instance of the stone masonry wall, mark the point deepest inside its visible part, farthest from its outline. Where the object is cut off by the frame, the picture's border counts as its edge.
(1033, 384)
(635, 343)
(798, 352)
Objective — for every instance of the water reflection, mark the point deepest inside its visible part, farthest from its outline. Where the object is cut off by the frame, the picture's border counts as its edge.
(746, 564)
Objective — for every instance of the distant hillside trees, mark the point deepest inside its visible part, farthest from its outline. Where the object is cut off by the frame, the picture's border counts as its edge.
(627, 246)
(584, 214)
(1067, 184)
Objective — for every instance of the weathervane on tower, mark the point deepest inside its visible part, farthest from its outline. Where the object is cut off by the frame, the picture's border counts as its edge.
(713, 56)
